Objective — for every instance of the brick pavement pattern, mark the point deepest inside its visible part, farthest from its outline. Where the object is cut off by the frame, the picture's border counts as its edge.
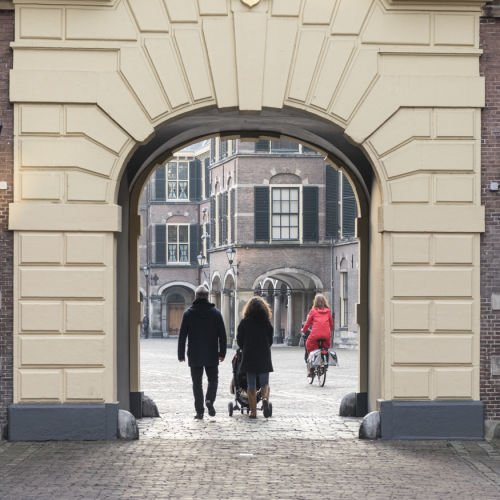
(304, 451)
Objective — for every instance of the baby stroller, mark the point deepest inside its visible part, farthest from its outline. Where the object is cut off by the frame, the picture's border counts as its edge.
(239, 388)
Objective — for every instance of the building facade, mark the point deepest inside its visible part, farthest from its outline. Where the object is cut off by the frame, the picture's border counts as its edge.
(286, 217)
(390, 90)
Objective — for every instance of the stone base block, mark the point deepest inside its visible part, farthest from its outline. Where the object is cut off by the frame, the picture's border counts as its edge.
(491, 429)
(419, 420)
(63, 422)
(136, 404)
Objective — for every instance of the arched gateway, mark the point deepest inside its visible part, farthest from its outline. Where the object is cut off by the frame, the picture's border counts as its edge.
(106, 89)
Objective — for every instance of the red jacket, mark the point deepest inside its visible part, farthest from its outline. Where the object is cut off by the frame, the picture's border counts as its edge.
(322, 324)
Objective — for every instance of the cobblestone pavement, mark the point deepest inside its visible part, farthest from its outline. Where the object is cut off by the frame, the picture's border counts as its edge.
(300, 410)
(303, 452)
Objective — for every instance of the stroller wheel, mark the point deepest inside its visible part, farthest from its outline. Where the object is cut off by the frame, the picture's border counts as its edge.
(270, 409)
(230, 409)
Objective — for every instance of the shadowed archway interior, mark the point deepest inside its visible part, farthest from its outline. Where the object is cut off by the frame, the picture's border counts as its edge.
(175, 134)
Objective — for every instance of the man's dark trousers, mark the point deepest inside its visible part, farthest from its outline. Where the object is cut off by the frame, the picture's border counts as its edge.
(213, 381)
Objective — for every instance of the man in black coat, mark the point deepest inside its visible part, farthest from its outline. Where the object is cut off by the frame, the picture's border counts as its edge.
(203, 327)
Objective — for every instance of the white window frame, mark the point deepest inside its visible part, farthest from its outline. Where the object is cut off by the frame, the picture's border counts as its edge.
(177, 180)
(298, 187)
(178, 243)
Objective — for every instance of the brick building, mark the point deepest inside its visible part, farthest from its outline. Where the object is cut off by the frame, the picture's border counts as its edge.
(6, 196)
(490, 241)
(295, 236)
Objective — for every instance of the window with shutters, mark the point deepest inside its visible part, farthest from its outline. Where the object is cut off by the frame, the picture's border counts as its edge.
(232, 216)
(207, 178)
(177, 244)
(160, 251)
(222, 202)
(213, 219)
(212, 150)
(332, 223)
(285, 214)
(262, 146)
(223, 150)
(159, 184)
(178, 180)
(349, 209)
(284, 146)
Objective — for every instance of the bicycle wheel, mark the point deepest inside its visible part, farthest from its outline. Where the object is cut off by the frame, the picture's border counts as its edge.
(311, 380)
(321, 375)
(322, 379)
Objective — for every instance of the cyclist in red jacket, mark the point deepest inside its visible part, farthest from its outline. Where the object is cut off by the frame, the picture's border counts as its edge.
(320, 317)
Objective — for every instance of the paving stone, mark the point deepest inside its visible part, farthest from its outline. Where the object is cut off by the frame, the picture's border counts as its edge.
(304, 451)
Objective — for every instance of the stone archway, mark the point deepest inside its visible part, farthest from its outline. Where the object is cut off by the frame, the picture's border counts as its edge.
(125, 83)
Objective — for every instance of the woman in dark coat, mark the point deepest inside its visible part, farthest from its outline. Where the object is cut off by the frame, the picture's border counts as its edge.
(255, 337)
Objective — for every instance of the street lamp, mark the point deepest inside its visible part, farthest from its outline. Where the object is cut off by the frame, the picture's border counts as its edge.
(202, 260)
(230, 254)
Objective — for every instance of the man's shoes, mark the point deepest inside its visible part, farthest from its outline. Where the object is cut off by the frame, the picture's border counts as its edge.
(210, 407)
(198, 416)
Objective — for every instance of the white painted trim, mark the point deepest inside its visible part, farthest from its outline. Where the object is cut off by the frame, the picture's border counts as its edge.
(171, 284)
(290, 271)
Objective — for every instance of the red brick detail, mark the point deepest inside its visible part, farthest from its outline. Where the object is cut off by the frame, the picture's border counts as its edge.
(6, 196)
(490, 241)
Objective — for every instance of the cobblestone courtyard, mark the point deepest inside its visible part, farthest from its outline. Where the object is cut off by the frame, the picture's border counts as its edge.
(304, 451)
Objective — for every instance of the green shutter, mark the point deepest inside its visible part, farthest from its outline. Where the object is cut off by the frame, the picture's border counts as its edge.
(222, 218)
(160, 243)
(332, 203)
(160, 184)
(261, 211)
(349, 209)
(194, 243)
(212, 221)
(310, 213)
(195, 180)
(207, 178)
(232, 216)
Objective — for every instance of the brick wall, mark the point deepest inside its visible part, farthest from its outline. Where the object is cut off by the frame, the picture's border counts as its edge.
(6, 241)
(490, 241)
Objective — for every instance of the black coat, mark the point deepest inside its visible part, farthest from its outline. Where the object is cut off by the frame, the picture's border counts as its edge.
(203, 328)
(255, 337)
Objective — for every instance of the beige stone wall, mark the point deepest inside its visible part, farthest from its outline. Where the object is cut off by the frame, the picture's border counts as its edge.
(93, 78)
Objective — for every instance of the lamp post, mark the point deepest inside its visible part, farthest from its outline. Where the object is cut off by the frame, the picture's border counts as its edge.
(145, 324)
(230, 254)
(202, 260)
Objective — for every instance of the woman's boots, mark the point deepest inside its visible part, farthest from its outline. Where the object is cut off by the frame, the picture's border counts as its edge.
(264, 392)
(252, 402)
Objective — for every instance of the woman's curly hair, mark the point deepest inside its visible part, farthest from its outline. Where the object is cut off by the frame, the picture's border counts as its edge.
(257, 308)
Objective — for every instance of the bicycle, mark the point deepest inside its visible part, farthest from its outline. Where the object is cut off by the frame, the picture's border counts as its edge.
(319, 359)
